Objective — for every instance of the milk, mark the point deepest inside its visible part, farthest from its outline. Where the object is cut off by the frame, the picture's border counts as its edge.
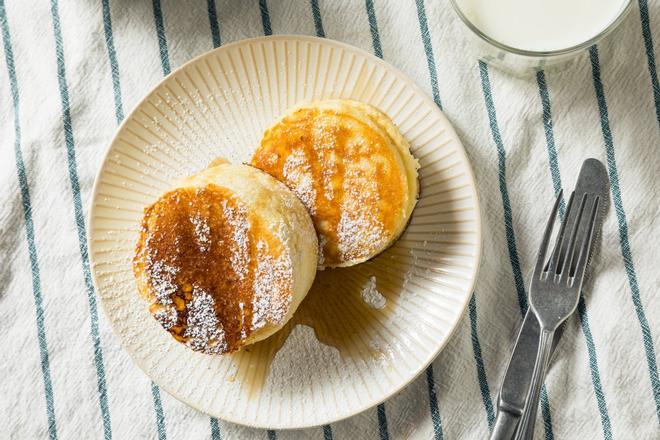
(541, 25)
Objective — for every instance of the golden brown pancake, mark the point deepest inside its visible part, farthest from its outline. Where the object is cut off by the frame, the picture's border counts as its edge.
(353, 171)
(224, 258)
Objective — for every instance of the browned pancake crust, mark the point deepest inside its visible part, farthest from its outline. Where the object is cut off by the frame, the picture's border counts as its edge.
(344, 173)
(197, 265)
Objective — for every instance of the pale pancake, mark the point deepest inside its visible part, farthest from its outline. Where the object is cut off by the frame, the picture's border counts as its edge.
(351, 168)
(225, 257)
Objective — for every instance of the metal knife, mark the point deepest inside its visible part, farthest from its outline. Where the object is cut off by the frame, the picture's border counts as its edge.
(512, 398)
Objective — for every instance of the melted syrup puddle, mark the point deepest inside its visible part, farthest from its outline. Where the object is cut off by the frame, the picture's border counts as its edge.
(335, 310)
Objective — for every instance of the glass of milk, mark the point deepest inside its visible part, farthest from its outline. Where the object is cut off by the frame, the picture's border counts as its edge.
(526, 35)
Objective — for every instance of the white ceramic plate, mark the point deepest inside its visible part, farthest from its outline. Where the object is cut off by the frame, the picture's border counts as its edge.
(219, 105)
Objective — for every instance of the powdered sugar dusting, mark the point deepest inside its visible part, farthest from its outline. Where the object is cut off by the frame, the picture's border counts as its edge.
(324, 144)
(371, 296)
(167, 316)
(202, 233)
(355, 231)
(273, 276)
(328, 174)
(298, 175)
(163, 280)
(203, 328)
(236, 217)
(359, 230)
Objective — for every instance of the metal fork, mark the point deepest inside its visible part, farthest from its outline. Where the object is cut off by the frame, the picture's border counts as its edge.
(557, 282)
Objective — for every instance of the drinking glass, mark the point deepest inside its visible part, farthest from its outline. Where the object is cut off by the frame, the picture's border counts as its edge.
(522, 62)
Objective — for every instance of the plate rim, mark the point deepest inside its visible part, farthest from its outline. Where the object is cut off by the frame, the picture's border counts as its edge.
(418, 91)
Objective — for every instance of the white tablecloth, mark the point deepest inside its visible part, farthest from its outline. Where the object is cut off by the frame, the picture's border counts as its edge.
(69, 73)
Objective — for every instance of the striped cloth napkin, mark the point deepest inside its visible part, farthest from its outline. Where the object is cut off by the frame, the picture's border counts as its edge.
(71, 70)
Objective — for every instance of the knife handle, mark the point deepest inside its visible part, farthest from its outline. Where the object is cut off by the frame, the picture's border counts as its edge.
(514, 391)
(505, 425)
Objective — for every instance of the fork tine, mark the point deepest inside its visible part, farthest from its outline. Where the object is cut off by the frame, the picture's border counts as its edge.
(557, 250)
(567, 256)
(543, 249)
(585, 246)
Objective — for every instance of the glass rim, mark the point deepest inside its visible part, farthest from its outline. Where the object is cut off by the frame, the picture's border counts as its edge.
(542, 53)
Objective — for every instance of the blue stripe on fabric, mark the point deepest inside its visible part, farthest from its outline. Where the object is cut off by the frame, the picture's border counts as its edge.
(158, 408)
(508, 217)
(29, 227)
(327, 432)
(550, 139)
(160, 32)
(624, 241)
(428, 49)
(318, 23)
(215, 429)
(382, 423)
(433, 402)
(373, 27)
(272, 435)
(545, 413)
(112, 55)
(481, 370)
(650, 55)
(508, 222)
(582, 307)
(213, 21)
(119, 113)
(265, 17)
(593, 365)
(80, 220)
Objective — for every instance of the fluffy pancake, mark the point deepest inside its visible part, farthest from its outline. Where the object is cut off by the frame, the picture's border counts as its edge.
(351, 168)
(225, 257)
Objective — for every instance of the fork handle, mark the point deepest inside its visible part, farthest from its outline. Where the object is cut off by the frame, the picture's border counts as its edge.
(526, 426)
